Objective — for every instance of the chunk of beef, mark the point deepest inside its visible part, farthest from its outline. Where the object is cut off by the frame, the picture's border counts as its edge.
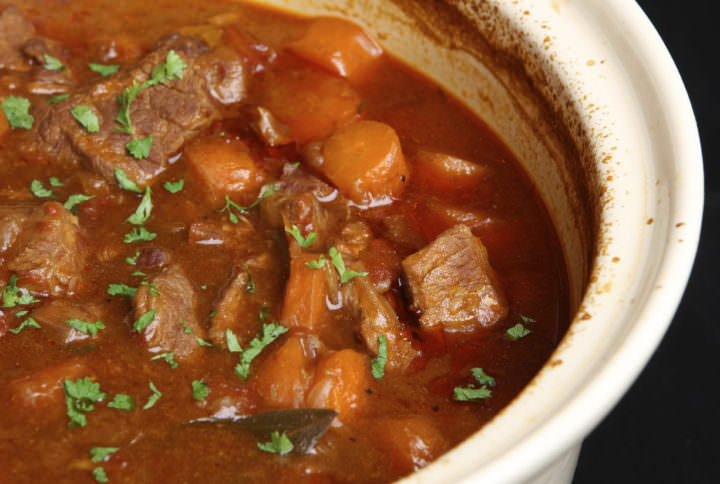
(15, 30)
(48, 249)
(12, 221)
(170, 112)
(152, 258)
(42, 389)
(453, 284)
(46, 81)
(172, 296)
(54, 315)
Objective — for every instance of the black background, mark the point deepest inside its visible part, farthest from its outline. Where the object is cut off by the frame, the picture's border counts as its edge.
(667, 427)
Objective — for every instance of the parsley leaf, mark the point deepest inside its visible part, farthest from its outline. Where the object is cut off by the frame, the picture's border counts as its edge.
(86, 117)
(231, 340)
(199, 390)
(57, 99)
(174, 66)
(346, 275)
(140, 148)
(142, 213)
(17, 112)
(55, 182)
(463, 394)
(168, 357)
(526, 319)
(152, 288)
(122, 401)
(202, 342)
(125, 99)
(133, 260)
(265, 192)
(316, 264)
(104, 70)
(144, 321)
(152, 400)
(28, 323)
(16, 296)
(483, 378)
(86, 327)
(121, 290)
(38, 189)
(518, 331)
(99, 454)
(174, 187)
(53, 63)
(303, 242)
(75, 199)
(270, 332)
(279, 444)
(125, 182)
(80, 396)
(378, 363)
(99, 474)
(139, 234)
(264, 312)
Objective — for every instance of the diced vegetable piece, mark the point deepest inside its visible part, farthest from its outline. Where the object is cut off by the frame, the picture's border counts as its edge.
(410, 442)
(286, 375)
(365, 161)
(442, 172)
(340, 383)
(226, 166)
(310, 103)
(307, 294)
(337, 45)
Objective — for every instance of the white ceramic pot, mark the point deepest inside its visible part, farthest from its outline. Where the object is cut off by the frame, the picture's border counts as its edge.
(589, 99)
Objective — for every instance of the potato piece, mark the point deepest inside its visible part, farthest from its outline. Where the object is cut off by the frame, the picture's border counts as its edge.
(365, 161)
(442, 172)
(337, 45)
(226, 167)
(340, 383)
(411, 442)
(286, 375)
(310, 103)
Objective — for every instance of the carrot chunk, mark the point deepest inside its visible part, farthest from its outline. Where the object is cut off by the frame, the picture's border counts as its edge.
(307, 295)
(411, 442)
(312, 104)
(226, 167)
(338, 46)
(365, 161)
(340, 383)
(442, 172)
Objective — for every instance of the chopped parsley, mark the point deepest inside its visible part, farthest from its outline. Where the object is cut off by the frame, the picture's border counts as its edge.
(55, 182)
(186, 328)
(99, 454)
(202, 342)
(80, 397)
(143, 211)
(144, 321)
(86, 117)
(378, 363)
(122, 401)
(232, 342)
(104, 70)
(99, 474)
(169, 359)
(526, 319)
(316, 264)
(464, 394)
(138, 274)
(174, 187)
(57, 99)
(28, 323)
(346, 275)
(139, 234)
(250, 284)
(265, 192)
(16, 296)
(38, 189)
(75, 199)
(17, 112)
(53, 63)
(152, 400)
(121, 290)
(125, 182)
(279, 444)
(152, 288)
(86, 327)
(199, 390)
(264, 312)
(518, 331)
(140, 148)
(125, 99)
(270, 332)
(133, 260)
(303, 242)
(483, 378)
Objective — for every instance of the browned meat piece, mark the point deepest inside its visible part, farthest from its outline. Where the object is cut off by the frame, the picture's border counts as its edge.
(15, 30)
(453, 284)
(42, 389)
(53, 316)
(44, 81)
(48, 252)
(172, 296)
(152, 258)
(12, 221)
(171, 112)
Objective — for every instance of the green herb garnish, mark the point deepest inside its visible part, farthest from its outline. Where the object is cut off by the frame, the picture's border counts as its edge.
(279, 444)
(270, 332)
(75, 199)
(152, 400)
(303, 242)
(121, 290)
(140, 148)
(265, 192)
(80, 397)
(86, 117)
(346, 275)
(104, 70)
(174, 187)
(28, 323)
(199, 390)
(99, 454)
(16, 296)
(38, 189)
(378, 363)
(143, 211)
(86, 327)
(53, 63)
(125, 182)
(139, 234)
(57, 99)
(144, 321)
(518, 331)
(316, 264)
(17, 112)
(122, 401)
